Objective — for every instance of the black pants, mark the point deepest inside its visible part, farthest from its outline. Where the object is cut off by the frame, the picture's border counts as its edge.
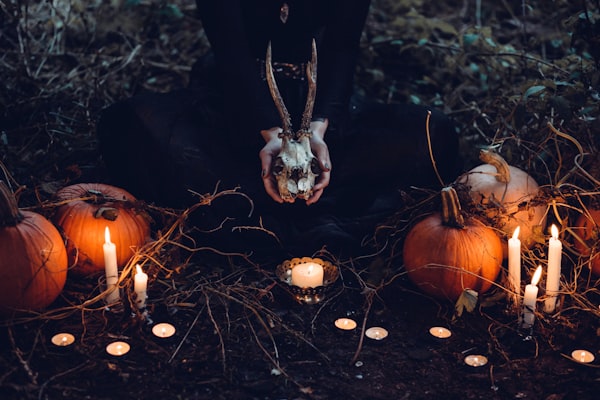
(160, 146)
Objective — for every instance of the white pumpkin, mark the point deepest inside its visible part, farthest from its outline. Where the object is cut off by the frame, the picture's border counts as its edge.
(507, 194)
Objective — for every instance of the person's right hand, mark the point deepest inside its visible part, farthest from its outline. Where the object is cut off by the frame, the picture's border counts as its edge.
(267, 154)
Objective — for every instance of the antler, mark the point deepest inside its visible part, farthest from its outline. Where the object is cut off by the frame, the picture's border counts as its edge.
(276, 95)
(311, 74)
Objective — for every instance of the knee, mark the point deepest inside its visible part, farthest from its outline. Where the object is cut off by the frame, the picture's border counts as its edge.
(410, 141)
(444, 142)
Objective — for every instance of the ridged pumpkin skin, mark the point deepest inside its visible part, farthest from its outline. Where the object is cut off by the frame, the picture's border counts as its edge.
(87, 210)
(514, 196)
(444, 260)
(33, 264)
(589, 231)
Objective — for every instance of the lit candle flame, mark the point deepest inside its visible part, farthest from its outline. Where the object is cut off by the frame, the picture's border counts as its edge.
(138, 269)
(440, 332)
(346, 324)
(582, 356)
(554, 231)
(376, 333)
(536, 276)
(63, 339)
(476, 360)
(107, 235)
(117, 348)
(163, 330)
(120, 349)
(516, 232)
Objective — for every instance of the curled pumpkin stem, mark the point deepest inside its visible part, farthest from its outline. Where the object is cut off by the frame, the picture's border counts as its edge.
(496, 160)
(10, 215)
(451, 210)
(109, 213)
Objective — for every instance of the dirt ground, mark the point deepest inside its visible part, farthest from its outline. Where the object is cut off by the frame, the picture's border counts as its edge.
(511, 73)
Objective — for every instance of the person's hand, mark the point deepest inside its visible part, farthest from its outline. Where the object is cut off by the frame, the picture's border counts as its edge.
(267, 154)
(273, 147)
(321, 152)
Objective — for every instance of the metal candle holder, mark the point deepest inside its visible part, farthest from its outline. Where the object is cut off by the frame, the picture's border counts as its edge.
(308, 295)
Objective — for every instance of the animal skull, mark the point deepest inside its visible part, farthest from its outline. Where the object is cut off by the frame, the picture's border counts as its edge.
(295, 168)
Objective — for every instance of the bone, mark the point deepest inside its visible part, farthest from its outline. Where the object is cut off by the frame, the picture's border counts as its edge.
(295, 168)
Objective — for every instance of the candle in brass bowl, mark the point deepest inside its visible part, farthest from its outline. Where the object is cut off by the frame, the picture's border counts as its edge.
(307, 278)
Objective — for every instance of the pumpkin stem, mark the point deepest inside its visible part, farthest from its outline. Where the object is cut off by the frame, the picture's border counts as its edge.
(98, 197)
(451, 210)
(109, 213)
(10, 215)
(496, 160)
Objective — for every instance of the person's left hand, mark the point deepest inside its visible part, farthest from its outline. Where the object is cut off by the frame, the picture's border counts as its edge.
(321, 152)
(318, 147)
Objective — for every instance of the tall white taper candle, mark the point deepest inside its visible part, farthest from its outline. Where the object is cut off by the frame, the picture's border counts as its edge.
(514, 266)
(111, 268)
(530, 299)
(553, 277)
(140, 285)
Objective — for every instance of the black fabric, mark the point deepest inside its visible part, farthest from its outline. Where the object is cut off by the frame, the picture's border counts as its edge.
(163, 146)
(240, 30)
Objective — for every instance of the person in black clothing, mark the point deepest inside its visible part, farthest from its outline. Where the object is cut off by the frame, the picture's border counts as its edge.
(224, 127)
(239, 33)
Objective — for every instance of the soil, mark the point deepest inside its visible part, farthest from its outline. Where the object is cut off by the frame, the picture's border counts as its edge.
(513, 74)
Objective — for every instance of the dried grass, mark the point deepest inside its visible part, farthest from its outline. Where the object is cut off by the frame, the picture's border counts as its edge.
(62, 61)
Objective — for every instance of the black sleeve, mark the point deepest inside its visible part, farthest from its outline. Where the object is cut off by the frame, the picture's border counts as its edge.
(337, 58)
(339, 30)
(225, 29)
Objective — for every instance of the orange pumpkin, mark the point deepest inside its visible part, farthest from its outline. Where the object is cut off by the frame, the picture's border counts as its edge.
(507, 195)
(33, 258)
(85, 210)
(588, 230)
(446, 253)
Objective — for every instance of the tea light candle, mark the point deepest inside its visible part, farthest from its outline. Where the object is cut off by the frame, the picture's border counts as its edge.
(140, 285)
(376, 333)
(345, 324)
(117, 348)
(307, 275)
(440, 332)
(514, 266)
(582, 356)
(63, 339)
(163, 330)
(553, 277)
(530, 299)
(110, 268)
(476, 360)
